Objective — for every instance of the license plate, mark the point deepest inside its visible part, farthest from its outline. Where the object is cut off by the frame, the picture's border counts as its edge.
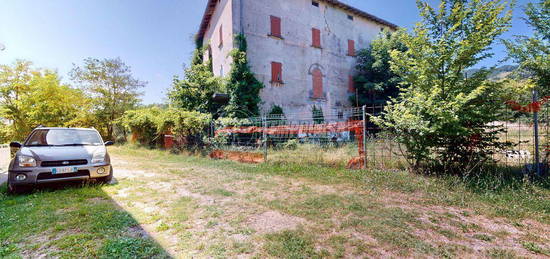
(64, 170)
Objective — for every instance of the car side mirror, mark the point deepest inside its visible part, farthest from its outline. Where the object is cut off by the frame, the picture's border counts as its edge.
(15, 145)
(109, 143)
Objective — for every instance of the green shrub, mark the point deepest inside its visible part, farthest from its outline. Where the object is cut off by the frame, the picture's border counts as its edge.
(149, 125)
(143, 125)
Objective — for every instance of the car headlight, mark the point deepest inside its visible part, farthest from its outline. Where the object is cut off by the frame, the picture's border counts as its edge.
(99, 157)
(26, 161)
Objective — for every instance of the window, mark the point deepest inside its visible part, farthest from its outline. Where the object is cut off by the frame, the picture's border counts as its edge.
(351, 48)
(350, 17)
(276, 72)
(221, 36)
(317, 83)
(351, 84)
(276, 26)
(67, 137)
(316, 38)
(314, 3)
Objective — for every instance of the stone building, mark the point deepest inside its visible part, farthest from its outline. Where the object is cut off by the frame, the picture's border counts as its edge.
(302, 50)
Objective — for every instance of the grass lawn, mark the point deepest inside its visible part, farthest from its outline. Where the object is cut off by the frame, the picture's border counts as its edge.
(166, 205)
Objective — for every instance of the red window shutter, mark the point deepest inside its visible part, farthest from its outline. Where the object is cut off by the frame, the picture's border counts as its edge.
(351, 84)
(275, 26)
(221, 35)
(351, 48)
(316, 38)
(317, 83)
(276, 72)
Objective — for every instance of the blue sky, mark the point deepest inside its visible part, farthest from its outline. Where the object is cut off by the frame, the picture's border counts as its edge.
(154, 37)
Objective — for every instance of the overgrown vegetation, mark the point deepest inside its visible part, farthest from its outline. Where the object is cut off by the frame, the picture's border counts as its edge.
(194, 92)
(149, 125)
(30, 97)
(375, 82)
(242, 86)
(442, 116)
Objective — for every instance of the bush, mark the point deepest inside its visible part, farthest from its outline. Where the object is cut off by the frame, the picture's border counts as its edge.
(142, 124)
(151, 124)
(443, 117)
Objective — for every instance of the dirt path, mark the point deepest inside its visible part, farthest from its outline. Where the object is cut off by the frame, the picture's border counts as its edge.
(198, 211)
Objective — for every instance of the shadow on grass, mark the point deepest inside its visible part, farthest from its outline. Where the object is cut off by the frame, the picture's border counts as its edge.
(71, 220)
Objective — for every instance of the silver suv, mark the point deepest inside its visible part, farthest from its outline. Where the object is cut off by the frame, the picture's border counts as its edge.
(59, 154)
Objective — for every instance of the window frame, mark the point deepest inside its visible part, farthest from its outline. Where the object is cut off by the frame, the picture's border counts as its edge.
(316, 38)
(276, 72)
(276, 27)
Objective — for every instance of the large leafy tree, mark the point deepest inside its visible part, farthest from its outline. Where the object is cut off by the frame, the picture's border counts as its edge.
(194, 92)
(14, 86)
(242, 86)
(30, 97)
(442, 116)
(112, 87)
(375, 82)
(533, 53)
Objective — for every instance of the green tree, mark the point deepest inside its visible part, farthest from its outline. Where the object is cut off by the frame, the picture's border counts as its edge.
(442, 116)
(533, 53)
(194, 92)
(375, 82)
(30, 97)
(112, 87)
(14, 86)
(242, 86)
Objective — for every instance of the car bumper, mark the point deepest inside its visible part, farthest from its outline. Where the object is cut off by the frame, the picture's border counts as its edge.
(37, 175)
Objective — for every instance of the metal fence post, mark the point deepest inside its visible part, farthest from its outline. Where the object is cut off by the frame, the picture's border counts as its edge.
(264, 136)
(536, 134)
(364, 111)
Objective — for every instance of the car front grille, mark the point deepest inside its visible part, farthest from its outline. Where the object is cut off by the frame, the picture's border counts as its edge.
(64, 163)
(47, 176)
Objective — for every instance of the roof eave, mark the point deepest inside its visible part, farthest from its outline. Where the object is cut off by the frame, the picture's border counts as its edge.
(211, 7)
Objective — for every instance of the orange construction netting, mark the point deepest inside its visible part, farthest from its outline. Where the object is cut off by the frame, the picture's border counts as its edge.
(532, 107)
(355, 126)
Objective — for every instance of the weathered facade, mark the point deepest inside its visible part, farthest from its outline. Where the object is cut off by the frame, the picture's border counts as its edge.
(302, 50)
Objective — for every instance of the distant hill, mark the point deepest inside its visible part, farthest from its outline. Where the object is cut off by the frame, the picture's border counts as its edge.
(499, 73)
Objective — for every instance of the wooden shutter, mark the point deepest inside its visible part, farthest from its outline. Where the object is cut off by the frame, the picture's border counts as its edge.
(351, 48)
(316, 38)
(317, 83)
(275, 26)
(276, 72)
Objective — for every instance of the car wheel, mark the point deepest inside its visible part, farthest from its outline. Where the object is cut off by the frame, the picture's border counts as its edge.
(107, 179)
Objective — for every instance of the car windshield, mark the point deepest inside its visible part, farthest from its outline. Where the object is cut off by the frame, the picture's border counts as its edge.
(63, 137)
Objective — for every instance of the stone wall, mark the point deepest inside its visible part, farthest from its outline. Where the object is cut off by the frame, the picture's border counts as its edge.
(223, 17)
(295, 50)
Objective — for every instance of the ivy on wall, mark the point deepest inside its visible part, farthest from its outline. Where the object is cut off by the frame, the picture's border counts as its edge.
(242, 86)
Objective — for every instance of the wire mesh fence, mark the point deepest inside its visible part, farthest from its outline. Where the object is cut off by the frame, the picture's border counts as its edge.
(333, 138)
(349, 138)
